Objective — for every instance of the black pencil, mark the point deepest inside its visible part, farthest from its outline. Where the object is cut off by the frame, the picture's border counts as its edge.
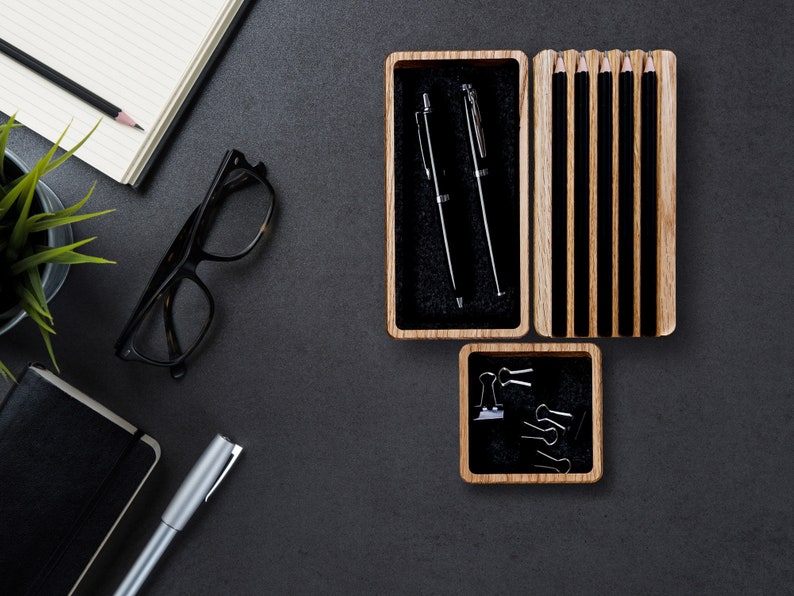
(604, 223)
(67, 84)
(626, 198)
(581, 210)
(559, 199)
(648, 266)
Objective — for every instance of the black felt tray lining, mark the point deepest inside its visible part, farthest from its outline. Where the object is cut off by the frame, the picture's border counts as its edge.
(424, 299)
(563, 383)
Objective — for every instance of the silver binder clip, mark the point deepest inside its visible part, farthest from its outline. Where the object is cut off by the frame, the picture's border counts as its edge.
(497, 411)
(540, 434)
(561, 466)
(542, 414)
(505, 373)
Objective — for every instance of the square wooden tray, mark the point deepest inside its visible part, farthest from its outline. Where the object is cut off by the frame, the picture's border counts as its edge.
(566, 375)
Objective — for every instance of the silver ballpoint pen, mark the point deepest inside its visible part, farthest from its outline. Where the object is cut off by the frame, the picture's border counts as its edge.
(434, 171)
(478, 154)
(202, 480)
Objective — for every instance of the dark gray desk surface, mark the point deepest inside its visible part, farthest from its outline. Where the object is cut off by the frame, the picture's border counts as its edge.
(349, 482)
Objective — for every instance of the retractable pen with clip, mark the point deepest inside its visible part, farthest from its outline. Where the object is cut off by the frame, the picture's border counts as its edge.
(434, 171)
(479, 164)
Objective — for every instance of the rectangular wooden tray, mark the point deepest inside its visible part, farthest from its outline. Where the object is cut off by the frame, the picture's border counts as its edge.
(543, 67)
(401, 195)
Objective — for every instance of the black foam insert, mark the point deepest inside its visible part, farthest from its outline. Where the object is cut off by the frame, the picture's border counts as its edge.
(562, 383)
(424, 299)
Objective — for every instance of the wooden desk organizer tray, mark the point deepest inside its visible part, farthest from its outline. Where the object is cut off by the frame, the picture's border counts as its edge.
(420, 299)
(604, 245)
(604, 195)
(530, 413)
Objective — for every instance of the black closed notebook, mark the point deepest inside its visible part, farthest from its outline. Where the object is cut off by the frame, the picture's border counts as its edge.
(69, 468)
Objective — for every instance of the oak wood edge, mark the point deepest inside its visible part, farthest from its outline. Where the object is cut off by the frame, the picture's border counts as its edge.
(392, 61)
(476, 334)
(542, 66)
(667, 123)
(429, 55)
(389, 190)
(568, 349)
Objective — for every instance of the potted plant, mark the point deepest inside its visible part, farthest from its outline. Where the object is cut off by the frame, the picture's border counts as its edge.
(36, 243)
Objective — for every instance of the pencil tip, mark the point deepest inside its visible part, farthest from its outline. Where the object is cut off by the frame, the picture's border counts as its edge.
(139, 127)
(649, 66)
(124, 118)
(605, 66)
(626, 63)
(560, 66)
(582, 63)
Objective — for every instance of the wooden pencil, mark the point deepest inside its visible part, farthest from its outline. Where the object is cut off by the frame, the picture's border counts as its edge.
(604, 223)
(581, 284)
(67, 84)
(648, 206)
(626, 198)
(559, 211)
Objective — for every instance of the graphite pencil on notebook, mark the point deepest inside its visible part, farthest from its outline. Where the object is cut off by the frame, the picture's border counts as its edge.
(626, 198)
(648, 206)
(581, 211)
(559, 211)
(67, 84)
(604, 224)
(148, 60)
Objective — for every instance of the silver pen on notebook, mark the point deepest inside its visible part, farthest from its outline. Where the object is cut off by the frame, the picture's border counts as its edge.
(478, 155)
(202, 480)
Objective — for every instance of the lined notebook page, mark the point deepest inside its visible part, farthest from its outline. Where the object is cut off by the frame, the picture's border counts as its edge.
(141, 55)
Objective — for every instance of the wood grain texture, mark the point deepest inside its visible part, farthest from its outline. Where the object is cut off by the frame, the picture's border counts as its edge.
(543, 66)
(563, 350)
(665, 63)
(637, 58)
(542, 70)
(421, 59)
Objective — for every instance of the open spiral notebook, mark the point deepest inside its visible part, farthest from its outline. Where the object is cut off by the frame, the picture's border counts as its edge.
(142, 55)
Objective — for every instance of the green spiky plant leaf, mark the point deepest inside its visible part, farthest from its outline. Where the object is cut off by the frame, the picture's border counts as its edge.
(21, 225)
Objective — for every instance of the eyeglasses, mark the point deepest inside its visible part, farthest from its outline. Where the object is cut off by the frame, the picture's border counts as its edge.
(176, 308)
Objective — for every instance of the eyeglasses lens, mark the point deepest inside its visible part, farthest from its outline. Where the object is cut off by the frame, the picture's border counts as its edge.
(178, 317)
(236, 214)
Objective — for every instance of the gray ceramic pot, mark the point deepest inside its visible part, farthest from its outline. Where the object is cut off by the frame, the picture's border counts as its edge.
(52, 276)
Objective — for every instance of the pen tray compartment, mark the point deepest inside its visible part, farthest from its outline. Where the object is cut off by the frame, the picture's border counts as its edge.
(549, 431)
(420, 300)
(607, 283)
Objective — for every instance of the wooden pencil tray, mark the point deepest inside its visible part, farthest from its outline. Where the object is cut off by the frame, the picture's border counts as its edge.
(419, 302)
(665, 306)
(549, 432)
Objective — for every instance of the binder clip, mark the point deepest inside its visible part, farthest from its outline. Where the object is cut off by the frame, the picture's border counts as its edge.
(561, 466)
(542, 434)
(505, 373)
(542, 413)
(497, 411)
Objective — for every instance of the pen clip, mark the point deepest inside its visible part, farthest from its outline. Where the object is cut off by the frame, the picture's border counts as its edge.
(236, 450)
(473, 108)
(421, 143)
